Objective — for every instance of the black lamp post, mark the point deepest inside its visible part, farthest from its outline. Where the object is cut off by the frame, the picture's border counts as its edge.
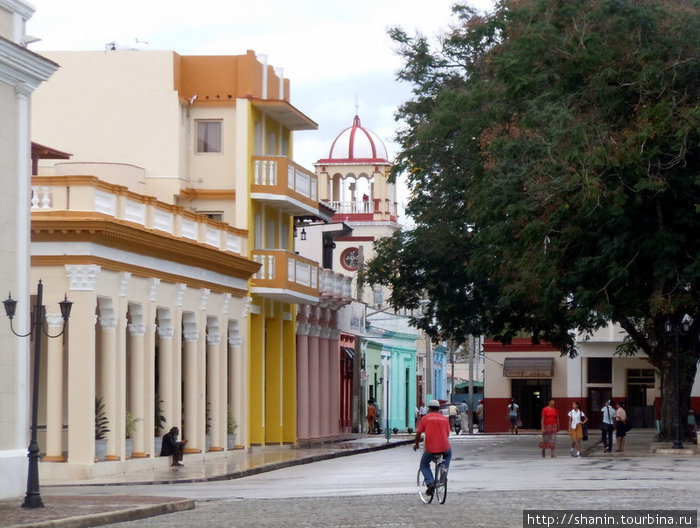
(32, 499)
(676, 330)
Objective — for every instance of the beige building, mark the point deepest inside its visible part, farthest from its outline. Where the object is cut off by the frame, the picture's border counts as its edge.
(171, 231)
(21, 71)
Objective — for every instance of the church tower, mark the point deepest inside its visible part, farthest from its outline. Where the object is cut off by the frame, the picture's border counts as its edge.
(353, 181)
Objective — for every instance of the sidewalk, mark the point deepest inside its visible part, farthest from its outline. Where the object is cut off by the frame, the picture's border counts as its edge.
(78, 511)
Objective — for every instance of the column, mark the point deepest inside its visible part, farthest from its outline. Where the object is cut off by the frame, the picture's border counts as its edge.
(314, 376)
(136, 385)
(166, 376)
(325, 379)
(235, 379)
(190, 336)
(212, 385)
(54, 391)
(335, 380)
(81, 364)
(302, 374)
(107, 374)
(223, 386)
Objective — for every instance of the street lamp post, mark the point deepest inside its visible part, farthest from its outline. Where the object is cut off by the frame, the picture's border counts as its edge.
(675, 330)
(32, 499)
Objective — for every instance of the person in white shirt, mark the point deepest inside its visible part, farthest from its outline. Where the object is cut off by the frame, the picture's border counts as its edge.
(607, 426)
(576, 421)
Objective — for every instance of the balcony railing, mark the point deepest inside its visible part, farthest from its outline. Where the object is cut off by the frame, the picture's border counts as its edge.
(278, 176)
(90, 195)
(335, 285)
(285, 275)
(352, 207)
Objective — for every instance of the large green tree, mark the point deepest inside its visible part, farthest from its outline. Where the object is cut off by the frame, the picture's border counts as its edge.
(552, 148)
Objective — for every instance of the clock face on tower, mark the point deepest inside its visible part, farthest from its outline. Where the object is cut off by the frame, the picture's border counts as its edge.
(350, 258)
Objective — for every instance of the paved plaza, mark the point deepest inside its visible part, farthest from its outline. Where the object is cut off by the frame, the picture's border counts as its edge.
(493, 478)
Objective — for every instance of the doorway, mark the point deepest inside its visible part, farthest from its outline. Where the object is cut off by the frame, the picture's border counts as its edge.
(597, 396)
(532, 396)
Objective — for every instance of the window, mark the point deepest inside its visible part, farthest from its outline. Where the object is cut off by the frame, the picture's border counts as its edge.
(214, 215)
(599, 370)
(208, 136)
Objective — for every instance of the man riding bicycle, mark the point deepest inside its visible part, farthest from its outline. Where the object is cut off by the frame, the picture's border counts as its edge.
(436, 427)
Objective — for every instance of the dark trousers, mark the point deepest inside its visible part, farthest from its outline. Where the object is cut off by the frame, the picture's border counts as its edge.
(178, 451)
(607, 430)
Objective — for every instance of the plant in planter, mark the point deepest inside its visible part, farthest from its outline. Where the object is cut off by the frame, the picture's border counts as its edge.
(159, 419)
(101, 429)
(130, 422)
(159, 422)
(231, 427)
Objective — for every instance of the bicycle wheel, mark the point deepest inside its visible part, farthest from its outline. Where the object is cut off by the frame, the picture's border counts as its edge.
(422, 489)
(441, 483)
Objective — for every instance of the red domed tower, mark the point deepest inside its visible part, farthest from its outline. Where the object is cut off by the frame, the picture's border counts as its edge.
(353, 181)
(353, 178)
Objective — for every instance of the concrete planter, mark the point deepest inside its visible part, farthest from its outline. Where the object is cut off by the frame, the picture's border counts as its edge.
(101, 449)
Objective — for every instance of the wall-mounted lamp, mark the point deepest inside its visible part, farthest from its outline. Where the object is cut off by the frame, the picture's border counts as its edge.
(303, 233)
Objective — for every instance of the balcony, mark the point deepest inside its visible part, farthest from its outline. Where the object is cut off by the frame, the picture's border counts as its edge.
(336, 288)
(284, 185)
(81, 195)
(285, 276)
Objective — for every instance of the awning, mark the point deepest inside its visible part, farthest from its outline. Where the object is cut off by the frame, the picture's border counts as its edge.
(465, 385)
(349, 352)
(540, 367)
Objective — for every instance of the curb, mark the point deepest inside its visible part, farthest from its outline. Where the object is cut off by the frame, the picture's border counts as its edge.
(103, 518)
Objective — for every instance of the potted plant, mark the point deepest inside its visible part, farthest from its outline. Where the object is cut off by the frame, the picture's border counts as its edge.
(130, 422)
(231, 427)
(101, 429)
(159, 421)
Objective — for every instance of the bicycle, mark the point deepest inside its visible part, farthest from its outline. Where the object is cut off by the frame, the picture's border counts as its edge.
(440, 481)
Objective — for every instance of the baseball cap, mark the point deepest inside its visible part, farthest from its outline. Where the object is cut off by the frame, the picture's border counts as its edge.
(433, 403)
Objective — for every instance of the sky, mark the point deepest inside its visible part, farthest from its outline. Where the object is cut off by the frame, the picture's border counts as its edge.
(336, 54)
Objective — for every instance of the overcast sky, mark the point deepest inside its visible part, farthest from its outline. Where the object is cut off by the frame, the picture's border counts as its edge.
(332, 52)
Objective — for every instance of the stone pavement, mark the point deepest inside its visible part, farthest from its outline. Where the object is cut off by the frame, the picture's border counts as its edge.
(67, 511)
(77, 511)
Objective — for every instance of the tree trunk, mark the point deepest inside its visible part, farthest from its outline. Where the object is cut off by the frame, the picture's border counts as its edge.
(675, 401)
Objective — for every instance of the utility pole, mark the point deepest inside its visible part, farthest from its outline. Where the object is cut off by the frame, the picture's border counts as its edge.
(452, 360)
(471, 384)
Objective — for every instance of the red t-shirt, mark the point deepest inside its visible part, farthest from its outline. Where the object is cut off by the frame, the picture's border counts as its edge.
(436, 427)
(549, 416)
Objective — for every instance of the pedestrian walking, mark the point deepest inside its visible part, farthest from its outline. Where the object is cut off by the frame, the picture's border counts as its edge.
(464, 417)
(576, 421)
(607, 426)
(550, 426)
(371, 417)
(621, 426)
(513, 411)
(480, 415)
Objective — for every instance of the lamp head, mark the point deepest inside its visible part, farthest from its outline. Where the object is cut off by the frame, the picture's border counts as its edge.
(10, 306)
(66, 306)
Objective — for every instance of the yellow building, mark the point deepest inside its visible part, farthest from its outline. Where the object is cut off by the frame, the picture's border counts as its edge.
(176, 212)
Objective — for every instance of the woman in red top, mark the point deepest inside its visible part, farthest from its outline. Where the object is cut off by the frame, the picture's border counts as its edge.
(550, 426)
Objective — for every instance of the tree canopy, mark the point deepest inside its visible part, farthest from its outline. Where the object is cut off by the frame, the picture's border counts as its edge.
(552, 149)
